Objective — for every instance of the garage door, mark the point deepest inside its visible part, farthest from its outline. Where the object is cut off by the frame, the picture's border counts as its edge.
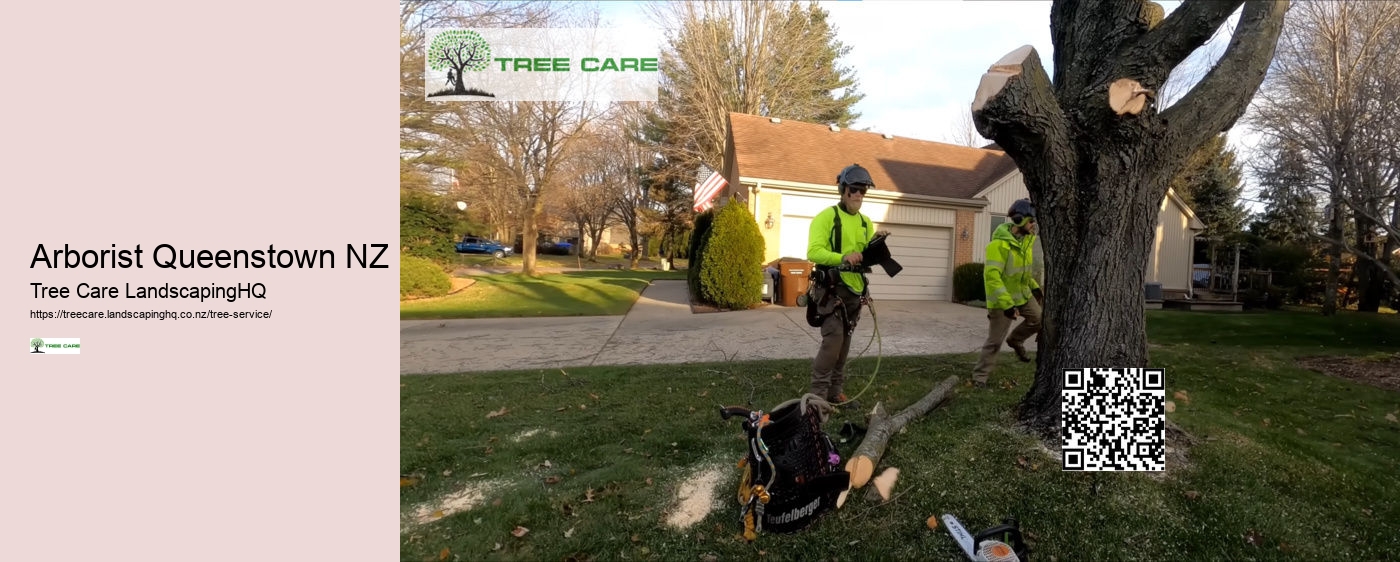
(924, 251)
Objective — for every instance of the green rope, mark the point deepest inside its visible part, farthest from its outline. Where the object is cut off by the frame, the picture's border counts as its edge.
(879, 354)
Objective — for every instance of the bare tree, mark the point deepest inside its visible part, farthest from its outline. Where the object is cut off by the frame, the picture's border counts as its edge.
(964, 132)
(592, 196)
(1332, 95)
(524, 145)
(1097, 156)
(632, 155)
(430, 136)
(764, 57)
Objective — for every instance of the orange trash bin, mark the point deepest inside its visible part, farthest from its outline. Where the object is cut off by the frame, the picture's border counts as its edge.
(794, 276)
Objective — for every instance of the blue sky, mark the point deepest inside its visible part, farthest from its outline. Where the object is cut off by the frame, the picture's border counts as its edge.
(919, 62)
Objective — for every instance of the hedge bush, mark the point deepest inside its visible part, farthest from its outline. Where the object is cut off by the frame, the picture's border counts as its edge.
(967, 283)
(425, 228)
(696, 252)
(731, 275)
(420, 277)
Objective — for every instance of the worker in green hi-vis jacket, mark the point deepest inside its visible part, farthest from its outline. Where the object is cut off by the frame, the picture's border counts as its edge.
(1012, 290)
(837, 237)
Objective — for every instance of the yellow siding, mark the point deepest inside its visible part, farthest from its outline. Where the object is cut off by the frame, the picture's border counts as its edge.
(770, 203)
(1170, 260)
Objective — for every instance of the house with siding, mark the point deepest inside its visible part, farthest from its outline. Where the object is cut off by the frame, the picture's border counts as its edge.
(940, 202)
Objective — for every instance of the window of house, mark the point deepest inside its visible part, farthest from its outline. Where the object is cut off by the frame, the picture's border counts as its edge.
(996, 221)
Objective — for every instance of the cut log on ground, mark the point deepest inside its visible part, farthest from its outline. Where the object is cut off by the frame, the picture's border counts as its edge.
(882, 426)
(882, 487)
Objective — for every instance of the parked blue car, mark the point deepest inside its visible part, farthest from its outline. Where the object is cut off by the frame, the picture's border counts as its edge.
(478, 245)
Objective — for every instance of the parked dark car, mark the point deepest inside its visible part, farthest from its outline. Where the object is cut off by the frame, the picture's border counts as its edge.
(478, 245)
(562, 248)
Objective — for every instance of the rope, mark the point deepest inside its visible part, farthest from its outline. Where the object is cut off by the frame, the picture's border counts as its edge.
(879, 354)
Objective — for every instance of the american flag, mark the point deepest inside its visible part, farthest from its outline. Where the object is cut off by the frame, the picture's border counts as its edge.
(708, 189)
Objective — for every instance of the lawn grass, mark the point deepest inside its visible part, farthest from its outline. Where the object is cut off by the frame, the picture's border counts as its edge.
(558, 261)
(584, 293)
(1290, 464)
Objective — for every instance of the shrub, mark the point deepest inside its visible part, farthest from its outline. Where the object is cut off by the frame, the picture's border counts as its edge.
(420, 277)
(696, 253)
(967, 283)
(425, 228)
(732, 273)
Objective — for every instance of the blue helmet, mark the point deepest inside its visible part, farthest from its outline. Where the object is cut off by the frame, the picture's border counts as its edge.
(1022, 212)
(853, 175)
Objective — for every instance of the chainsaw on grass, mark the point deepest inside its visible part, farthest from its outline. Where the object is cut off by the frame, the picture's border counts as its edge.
(1002, 543)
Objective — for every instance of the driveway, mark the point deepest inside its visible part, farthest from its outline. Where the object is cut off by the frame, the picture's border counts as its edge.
(660, 328)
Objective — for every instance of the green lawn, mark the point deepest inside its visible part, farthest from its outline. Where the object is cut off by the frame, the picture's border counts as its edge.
(586, 293)
(557, 261)
(1289, 464)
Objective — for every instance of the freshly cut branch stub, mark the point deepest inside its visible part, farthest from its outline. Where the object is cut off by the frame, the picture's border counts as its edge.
(1127, 96)
(996, 77)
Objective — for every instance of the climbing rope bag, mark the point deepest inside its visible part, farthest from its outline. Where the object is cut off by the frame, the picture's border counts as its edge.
(791, 474)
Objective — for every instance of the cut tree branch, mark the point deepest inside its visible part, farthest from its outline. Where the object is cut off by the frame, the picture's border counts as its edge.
(882, 426)
(1015, 106)
(1222, 96)
(1181, 33)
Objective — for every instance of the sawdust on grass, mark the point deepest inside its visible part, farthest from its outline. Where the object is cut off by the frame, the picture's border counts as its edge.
(695, 498)
(464, 499)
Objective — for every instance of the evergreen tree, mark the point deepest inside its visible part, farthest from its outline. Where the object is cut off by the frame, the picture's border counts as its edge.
(1285, 186)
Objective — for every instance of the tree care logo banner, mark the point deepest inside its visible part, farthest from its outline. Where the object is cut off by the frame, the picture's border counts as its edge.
(553, 64)
(55, 346)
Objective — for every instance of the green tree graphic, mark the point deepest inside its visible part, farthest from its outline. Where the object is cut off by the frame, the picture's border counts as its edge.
(459, 50)
(35, 343)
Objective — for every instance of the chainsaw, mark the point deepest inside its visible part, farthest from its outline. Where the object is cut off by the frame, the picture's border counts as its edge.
(1001, 543)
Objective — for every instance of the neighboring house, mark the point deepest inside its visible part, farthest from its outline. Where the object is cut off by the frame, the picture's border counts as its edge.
(939, 201)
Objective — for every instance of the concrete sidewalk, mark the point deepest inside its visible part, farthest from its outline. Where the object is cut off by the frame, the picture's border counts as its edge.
(660, 328)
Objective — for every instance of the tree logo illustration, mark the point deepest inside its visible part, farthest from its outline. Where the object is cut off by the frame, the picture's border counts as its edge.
(457, 51)
(35, 343)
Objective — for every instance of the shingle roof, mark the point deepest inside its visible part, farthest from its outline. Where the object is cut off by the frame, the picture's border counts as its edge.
(812, 153)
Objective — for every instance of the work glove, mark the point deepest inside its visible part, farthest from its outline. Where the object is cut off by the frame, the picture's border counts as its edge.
(1038, 294)
(1010, 313)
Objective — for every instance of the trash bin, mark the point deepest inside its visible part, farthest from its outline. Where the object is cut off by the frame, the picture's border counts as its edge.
(794, 275)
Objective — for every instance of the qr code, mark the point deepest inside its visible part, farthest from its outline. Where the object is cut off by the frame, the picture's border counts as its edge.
(1114, 419)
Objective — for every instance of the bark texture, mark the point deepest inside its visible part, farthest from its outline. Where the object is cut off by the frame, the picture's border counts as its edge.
(1097, 177)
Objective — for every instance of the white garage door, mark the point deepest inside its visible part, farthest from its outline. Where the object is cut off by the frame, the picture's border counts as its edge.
(926, 253)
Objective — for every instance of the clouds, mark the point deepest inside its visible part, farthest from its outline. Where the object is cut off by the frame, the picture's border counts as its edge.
(919, 62)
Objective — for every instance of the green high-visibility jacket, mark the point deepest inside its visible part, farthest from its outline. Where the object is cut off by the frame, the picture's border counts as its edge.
(856, 233)
(1007, 274)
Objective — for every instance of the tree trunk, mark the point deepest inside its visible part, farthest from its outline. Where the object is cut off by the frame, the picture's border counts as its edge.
(530, 234)
(597, 235)
(1111, 332)
(867, 456)
(1097, 176)
(1370, 281)
(636, 245)
(1334, 256)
